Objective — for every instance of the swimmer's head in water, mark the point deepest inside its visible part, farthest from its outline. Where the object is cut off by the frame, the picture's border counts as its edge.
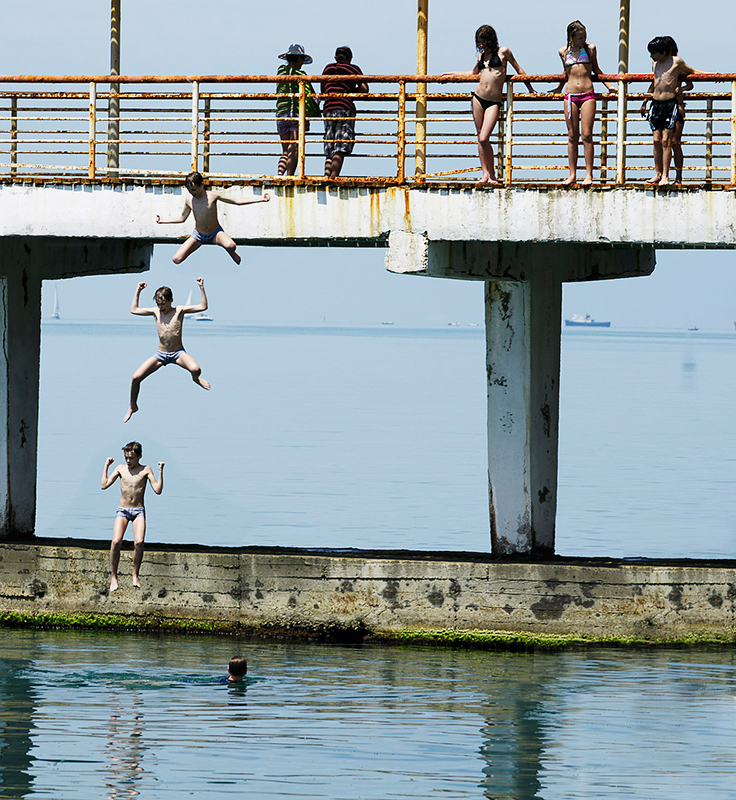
(486, 40)
(237, 667)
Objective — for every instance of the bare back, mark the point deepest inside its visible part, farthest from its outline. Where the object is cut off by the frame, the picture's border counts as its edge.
(133, 484)
(204, 207)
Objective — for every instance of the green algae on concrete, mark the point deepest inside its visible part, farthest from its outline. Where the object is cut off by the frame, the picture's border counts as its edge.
(515, 641)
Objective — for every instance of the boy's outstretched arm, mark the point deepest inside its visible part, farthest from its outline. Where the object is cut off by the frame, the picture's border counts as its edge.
(244, 201)
(202, 305)
(134, 307)
(181, 218)
(157, 485)
(107, 482)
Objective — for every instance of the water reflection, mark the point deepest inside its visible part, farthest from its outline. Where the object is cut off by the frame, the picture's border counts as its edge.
(124, 748)
(18, 700)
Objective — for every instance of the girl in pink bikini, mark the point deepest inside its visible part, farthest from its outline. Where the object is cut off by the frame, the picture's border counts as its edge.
(580, 62)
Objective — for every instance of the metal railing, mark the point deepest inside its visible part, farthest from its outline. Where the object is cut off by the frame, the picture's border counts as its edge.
(153, 128)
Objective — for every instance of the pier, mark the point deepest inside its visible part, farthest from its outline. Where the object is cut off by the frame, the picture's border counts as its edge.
(80, 190)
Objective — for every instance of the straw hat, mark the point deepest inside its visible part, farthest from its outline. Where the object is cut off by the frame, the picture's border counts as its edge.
(296, 50)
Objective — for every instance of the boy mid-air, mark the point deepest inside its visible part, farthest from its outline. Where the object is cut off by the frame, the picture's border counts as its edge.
(169, 321)
(207, 230)
(134, 477)
(665, 112)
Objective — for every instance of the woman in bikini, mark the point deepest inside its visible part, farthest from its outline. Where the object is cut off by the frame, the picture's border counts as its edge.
(580, 61)
(488, 95)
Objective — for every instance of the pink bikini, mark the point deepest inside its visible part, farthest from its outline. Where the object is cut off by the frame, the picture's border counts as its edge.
(579, 99)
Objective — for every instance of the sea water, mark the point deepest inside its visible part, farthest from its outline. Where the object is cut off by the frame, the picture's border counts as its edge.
(375, 437)
(100, 715)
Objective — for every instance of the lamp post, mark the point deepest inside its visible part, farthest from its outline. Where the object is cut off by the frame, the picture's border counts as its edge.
(421, 103)
(624, 19)
(113, 105)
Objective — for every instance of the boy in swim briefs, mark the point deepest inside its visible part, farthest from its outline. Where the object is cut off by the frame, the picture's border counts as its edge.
(665, 112)
(203, 202)
(133, 479)
(169, 321)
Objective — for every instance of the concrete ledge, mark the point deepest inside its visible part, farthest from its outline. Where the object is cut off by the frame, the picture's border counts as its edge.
(389, 595)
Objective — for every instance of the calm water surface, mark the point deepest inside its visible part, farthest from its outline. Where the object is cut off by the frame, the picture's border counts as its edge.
(87, 715)
(376, 437)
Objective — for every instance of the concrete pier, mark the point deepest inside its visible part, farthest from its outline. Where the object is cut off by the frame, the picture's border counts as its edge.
(523, 243)
(362, 594)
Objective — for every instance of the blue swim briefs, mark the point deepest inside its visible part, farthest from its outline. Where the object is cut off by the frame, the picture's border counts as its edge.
(168, 358)
(206, 238)
(131, 513)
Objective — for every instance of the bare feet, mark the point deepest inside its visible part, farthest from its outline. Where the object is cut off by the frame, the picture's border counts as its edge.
(655, 180)
(113, 584)
(569, 180)
(203, 383)
(131, 410)
(664, 181)
(588, 181)
(136, 582)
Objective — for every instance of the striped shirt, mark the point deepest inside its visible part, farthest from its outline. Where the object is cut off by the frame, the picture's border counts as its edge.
(289, 106)
(340, 87)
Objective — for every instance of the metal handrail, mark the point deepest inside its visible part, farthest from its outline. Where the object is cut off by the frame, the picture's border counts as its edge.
(424, 119)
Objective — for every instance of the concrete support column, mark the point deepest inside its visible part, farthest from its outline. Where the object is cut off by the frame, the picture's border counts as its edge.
(523, 321)
(20, 329)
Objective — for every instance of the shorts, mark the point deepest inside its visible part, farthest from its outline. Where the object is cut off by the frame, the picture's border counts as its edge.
(286, 124)
(206, 238)
(663, 114)
(131, 513)
(168, 358)
(339, 131)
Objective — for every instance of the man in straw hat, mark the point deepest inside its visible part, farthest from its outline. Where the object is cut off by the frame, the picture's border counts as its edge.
(287, 106)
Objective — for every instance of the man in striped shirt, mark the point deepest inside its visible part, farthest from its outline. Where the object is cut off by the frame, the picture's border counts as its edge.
(339, 111)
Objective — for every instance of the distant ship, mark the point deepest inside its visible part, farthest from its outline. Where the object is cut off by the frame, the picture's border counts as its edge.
(580, 321)
(55, 314)
(203, 318)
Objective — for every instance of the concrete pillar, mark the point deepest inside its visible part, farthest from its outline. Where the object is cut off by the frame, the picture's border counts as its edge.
(21, 333)
(523, 369)
(523, 329)
(24, 263)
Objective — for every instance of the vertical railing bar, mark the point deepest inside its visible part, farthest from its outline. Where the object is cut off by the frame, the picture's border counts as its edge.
(401, 141)
(709, 141)
(733, 133)
(621, 132)
(113, 131)
(206, 135)
(500, 142)
(195, 125)
(604, 138)
(509, 132)
(302, 146)
(92, 129)
(420, 132)
(13, 136)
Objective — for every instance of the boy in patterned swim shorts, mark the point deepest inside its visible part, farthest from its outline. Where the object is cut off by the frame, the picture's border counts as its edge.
(664, 113)
(134, 477)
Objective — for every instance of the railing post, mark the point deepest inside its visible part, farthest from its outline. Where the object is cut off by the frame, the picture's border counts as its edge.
(621, 133)
(195, 125)
(509, 139)
(500, 142)
(206, 136)
(92, 129)
(113, 130)
(13, 136)
(302, 146)
(604, 139)
(709, 141)
(401, 134)
(420, 132)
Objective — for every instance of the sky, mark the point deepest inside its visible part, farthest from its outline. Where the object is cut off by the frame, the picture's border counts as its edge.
(291, 285)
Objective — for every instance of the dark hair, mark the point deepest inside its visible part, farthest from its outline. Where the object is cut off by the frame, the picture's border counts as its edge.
(133, 447)
(663, 44)
(193, 180)
(486, 39)
(575, 25)
(344, 53)
(238, 666)
(164, 292)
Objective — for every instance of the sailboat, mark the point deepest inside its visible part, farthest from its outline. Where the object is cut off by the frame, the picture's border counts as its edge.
(55, 314)
(202, 317)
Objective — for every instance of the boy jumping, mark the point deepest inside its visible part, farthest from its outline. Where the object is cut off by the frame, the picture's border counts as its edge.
(169, 321)
(664, 114)
(133, 477)
(207, 230)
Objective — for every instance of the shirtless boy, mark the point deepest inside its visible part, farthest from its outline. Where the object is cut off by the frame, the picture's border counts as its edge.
(133, 478)
(169, 321)
(664, 114)
(207, 230)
